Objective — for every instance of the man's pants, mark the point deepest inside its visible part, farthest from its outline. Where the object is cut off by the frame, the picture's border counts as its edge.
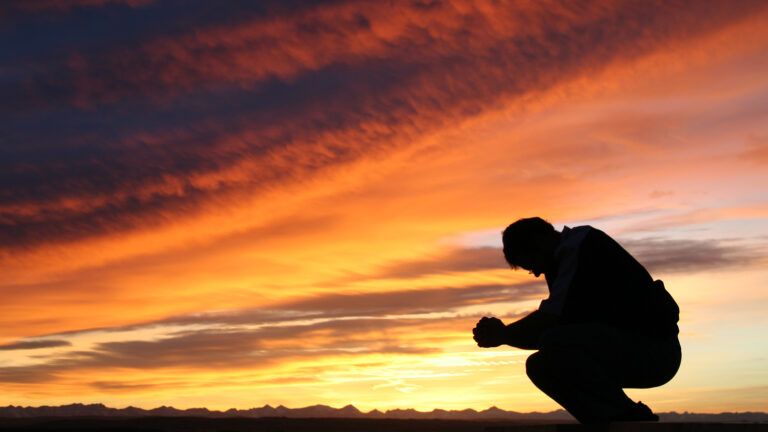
(584, 368)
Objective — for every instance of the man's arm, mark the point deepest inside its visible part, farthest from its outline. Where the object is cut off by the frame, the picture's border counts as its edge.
(526, 332)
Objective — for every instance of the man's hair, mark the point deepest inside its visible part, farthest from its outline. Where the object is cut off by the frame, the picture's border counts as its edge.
(520, 236)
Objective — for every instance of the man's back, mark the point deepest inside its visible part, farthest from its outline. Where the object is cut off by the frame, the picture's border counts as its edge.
(608, 285)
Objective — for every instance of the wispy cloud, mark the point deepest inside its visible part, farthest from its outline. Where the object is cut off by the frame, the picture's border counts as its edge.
(255, 105)
(38, 6)
(692, 255)
(454, 260)
(236, 348)
(331, 325)
(757, 149)
(34, 344)
(657, 254)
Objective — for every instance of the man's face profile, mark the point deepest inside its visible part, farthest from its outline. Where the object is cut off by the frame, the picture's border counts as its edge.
(531, 263)
(529, 260)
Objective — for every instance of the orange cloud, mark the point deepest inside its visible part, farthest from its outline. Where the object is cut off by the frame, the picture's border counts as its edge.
(408, 96)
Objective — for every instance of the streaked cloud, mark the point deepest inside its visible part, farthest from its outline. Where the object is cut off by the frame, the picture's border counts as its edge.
(137, 162)
(357, 325)
(382, 304)
(757, 149)
(454, 260)
(236, 347)
(691, 255)
(34, 344)
(65, 5)
(657, 254)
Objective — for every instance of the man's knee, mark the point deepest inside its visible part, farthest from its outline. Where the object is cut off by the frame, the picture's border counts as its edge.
(547, 365)
(537, 367)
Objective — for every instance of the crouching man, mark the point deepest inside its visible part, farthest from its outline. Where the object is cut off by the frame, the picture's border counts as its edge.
(606, 325)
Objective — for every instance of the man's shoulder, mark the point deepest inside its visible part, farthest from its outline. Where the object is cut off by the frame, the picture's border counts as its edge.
(584, 231)
(574, 236)
(582, 237)
(580, 229)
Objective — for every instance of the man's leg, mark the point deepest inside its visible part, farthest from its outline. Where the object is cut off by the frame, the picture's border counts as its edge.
(573, 380)
(582, 368)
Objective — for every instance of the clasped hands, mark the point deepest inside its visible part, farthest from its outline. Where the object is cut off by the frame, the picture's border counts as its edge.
(489, 332)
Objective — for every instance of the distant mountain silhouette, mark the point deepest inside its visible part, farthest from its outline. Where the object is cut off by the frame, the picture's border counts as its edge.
(349, 411)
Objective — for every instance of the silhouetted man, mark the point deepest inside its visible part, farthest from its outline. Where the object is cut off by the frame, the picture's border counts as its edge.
(607, 325)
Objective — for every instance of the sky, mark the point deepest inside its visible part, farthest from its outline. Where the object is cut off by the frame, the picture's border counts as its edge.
(232, 204)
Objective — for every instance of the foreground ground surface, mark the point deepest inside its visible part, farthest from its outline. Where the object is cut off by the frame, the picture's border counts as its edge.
(199, 424)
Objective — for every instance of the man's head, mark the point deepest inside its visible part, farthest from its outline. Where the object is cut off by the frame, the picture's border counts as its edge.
(530, 243)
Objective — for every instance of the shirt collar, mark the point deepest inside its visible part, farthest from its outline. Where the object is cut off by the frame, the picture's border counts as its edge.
(563, 234)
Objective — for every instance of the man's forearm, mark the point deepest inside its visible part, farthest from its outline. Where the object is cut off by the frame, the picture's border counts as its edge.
(525, 333)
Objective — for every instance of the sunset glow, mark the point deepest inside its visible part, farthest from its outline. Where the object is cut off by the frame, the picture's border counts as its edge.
(205, 206)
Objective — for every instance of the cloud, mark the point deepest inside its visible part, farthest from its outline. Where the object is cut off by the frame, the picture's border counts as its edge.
(453, 261)
(119, 386)
(757, 150)
(287, 44)
(295, 227)
(34, 344)
(330, 325)
(233, 349)
(660, 255)
(65, 5)
(142, 133)
(657, 254)
(268, 345)
(375, 304)
(40, 374)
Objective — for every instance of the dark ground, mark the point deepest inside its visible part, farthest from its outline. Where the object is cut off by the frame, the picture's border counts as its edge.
(200, 424)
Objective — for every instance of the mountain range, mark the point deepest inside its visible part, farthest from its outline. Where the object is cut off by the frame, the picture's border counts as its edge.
(349, 411)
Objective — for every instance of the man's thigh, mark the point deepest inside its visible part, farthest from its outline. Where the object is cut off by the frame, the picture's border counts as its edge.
(629, 359)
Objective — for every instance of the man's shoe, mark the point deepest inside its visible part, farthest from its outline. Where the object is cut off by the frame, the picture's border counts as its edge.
(638, 413)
